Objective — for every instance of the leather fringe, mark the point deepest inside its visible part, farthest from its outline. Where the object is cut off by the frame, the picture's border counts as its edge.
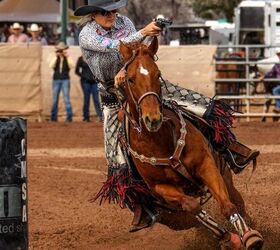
(220, 116)
(121, 188)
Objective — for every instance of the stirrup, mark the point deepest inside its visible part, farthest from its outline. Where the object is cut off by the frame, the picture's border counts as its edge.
(152, 220)
(237, 168)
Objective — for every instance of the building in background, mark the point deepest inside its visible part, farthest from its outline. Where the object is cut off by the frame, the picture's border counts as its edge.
(258, 23)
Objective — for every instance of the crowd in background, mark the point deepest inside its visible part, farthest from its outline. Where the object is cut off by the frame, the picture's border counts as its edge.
(47, 34)
(61, 64)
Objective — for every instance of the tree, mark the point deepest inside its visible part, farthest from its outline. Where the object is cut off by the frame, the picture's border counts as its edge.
(214, 9)
(180, 11)
(142, 12)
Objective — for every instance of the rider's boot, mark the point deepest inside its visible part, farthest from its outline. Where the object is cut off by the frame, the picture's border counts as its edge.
(143, 218)
(240, 156)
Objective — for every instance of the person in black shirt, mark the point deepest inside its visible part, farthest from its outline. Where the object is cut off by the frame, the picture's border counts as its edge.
(61, 64)
(89, 87)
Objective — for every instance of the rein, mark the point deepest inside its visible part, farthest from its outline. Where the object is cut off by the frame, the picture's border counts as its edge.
(174, 160)
(137, 126)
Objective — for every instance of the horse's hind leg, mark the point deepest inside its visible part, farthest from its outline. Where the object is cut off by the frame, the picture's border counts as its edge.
(176, 196)
(212, 178)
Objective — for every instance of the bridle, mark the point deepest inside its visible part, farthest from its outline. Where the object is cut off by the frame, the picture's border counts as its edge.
(173, 161)
(136, 102)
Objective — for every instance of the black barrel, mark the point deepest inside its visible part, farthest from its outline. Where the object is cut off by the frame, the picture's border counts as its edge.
(13, 185)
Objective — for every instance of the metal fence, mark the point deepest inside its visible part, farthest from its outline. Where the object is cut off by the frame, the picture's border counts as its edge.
(240, 78)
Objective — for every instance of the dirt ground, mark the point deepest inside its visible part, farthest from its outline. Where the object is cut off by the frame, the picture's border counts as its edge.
(66, 167)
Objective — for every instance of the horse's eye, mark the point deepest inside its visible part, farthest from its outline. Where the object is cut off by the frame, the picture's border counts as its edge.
(130, 80)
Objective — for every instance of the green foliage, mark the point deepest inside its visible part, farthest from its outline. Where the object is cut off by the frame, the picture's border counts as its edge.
(214, 9)
(142, 12)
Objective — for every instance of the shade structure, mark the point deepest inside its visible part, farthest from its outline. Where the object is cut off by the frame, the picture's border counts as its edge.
(38, 11)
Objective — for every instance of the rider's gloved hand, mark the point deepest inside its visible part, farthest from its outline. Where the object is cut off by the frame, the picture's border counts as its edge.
(120, 78)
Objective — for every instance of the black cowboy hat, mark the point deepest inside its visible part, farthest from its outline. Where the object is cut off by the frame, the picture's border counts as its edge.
(97, 5)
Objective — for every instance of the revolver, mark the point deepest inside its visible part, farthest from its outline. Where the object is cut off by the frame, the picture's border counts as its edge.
(163, 22)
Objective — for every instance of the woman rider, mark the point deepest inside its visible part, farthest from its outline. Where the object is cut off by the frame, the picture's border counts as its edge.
(102, 30)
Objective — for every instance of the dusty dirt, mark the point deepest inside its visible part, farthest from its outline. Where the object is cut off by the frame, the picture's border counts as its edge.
(66, 167)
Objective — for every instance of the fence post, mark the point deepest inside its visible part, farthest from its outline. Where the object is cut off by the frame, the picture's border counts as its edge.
(13, 185)
(247, 83)
(64, 19)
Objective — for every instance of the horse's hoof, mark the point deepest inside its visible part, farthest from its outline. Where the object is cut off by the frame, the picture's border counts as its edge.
(232, 243)
(252, 240)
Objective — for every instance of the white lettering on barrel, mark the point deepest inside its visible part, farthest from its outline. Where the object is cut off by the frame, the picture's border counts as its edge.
(24, 197)
(23, 147)
(24, 214)
(23, 162)
(23, 189)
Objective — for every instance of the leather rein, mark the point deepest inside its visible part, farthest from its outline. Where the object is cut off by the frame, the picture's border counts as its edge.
(174, 160)
(136, 102)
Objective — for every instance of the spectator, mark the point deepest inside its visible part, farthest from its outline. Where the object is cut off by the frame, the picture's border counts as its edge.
(275, 73)
(3, 37)
(61, 63)
(35, 32)
(5, 33)
(89, 87)
(70, 38)
(17, 35)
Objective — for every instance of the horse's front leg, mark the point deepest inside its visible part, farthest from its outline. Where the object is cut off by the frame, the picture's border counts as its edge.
(211, 177)
(175, 196)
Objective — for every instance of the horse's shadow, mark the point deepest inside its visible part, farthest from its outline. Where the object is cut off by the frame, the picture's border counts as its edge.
(184, 221)
(271, 239)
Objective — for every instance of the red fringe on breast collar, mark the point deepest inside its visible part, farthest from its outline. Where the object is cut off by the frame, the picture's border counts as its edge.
(220, 116)
(121, 188)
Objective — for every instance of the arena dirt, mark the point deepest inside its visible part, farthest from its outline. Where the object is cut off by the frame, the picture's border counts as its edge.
(66, 167)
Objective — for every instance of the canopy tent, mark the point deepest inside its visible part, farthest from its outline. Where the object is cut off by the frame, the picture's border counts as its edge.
(39, 11)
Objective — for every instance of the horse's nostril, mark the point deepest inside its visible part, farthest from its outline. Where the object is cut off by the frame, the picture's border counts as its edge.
(153, 123)
(147, 120)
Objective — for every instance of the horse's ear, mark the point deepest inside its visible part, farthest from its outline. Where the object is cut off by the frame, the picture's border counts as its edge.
(125, 51)
(153, 47)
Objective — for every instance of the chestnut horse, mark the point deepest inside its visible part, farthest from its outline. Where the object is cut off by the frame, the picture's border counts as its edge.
(169, 151)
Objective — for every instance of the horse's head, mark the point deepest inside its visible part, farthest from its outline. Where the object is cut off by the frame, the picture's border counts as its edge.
(142, 84)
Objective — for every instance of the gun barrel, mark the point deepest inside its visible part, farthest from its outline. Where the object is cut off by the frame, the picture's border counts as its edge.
(163, 22)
